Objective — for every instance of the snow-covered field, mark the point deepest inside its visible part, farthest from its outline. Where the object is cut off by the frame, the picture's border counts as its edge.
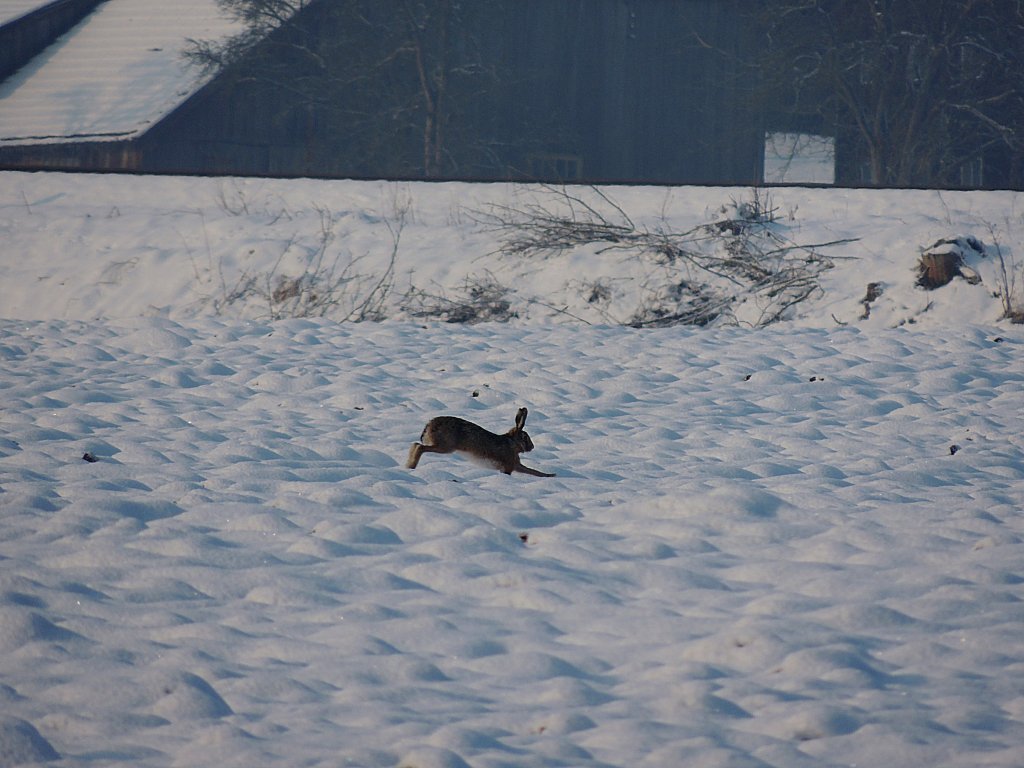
(793, 546)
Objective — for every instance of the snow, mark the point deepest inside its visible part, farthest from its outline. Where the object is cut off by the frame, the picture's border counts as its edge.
(129, 246)
(791, 546)
(113, 76)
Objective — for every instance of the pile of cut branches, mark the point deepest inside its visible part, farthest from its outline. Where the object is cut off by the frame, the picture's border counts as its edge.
(481, 299)
(739, 268)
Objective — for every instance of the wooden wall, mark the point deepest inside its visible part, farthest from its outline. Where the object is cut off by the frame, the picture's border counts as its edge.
(640, 89)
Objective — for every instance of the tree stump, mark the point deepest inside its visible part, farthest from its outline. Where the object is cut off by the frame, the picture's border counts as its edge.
(935, 270)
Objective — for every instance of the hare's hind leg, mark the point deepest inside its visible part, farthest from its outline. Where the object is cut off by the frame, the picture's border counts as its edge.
(415, 451)
(418, 449)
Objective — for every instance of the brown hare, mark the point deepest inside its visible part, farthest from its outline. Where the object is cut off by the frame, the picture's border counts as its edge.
(450, 434)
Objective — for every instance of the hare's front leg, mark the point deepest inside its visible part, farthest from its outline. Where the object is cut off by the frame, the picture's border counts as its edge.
(520, 467)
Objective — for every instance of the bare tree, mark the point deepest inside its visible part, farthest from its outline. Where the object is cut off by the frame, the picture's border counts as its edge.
(385, 84)
(919, 88)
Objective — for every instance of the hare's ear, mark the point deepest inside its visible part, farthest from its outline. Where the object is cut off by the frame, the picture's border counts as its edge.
(521, 419)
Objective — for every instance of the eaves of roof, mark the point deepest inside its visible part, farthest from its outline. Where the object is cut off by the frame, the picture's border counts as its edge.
(113, 76)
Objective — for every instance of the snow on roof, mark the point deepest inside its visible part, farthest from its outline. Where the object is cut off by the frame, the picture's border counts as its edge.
(113, 76)
(14, 9)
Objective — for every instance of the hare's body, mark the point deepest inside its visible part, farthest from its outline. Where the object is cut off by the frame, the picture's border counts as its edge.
(450, 434)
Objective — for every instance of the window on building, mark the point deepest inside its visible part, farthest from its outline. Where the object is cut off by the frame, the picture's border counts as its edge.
(972, 173)
(799, 158)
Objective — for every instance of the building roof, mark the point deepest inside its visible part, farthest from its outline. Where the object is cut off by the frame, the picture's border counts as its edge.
(14, 9)
(112, 77)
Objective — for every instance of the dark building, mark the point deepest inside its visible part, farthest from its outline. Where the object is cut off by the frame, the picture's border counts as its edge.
(595, 90)
(655, 91)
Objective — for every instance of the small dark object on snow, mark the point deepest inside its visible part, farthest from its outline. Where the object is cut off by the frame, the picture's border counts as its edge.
(89, 458)
(874, 291)
(953, 449)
